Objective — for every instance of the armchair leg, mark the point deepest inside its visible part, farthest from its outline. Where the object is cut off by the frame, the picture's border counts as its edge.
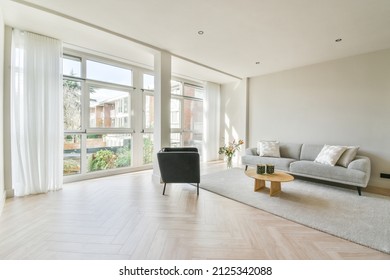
(246, 167)
(359, 189)
(197, 188)
(165, 184)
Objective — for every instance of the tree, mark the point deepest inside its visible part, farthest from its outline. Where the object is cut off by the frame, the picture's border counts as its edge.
(72, 105)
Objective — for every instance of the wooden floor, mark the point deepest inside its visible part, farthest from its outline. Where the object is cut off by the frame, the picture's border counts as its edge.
(126, 217)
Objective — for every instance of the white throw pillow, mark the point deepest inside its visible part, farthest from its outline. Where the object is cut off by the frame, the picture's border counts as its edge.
(348, 156)
(268, 148)
(330, 154)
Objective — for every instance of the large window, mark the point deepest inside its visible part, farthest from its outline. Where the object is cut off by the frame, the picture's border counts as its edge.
(97, 119)
(109, 120)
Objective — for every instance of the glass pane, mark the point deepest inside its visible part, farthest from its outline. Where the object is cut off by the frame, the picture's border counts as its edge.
(193, 91)
(191, 139)
(72, 158)
(193, 115)
(71, 66)
(108, 73)
(149, 111)
(109, 108)
(148, 148)
(175, 139)
(148, 82)
(108, 151)
(175, 113)
(176, 88)
(72, 105)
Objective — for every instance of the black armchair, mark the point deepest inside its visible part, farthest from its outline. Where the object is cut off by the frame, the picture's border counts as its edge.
(179, 165)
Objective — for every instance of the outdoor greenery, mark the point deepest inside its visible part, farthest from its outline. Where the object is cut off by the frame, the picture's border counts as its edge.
(101, 160)
(124, 157)
(72, 105)
(71, 166)
(148, 151)
(107, 159)
(94, 136)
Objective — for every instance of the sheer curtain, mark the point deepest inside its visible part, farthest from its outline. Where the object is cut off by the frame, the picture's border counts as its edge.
(211, 122)
(36, 113)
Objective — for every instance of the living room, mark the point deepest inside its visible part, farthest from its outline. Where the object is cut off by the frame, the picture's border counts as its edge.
(326, 83)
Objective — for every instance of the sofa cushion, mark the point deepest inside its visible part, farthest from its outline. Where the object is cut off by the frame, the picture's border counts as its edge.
(268, 149)
(327, 172)
(290, 150)
(310, 151)
(251, 151)
(280, 163)
(329, 155)
(348, 156)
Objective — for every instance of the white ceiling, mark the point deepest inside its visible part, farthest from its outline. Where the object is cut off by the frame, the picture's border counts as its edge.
(280, 34)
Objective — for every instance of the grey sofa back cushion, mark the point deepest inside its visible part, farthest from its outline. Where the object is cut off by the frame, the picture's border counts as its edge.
(290, 150)
(310, 151)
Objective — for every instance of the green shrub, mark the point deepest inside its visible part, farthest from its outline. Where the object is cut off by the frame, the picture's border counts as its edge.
(101, 160)
(148, 151)
(124, 157)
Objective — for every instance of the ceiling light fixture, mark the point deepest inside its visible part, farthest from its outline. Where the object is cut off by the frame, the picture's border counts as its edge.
(257, 62)
(338, 40)
(200, 32)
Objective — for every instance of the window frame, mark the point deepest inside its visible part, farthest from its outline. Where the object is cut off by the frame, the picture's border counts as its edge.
(85, 128)
(181, 97)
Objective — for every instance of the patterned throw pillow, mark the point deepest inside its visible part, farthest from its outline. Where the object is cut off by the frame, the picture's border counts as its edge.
(268, 148)
(348, 156)
(330, 154)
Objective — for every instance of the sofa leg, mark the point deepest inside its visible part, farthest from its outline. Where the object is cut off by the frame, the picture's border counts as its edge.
(197, 188)
(359, 189)
(246, 167)
(165, 184)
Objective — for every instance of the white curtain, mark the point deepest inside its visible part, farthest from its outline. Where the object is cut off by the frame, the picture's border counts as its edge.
(211, 122)
(36, 113)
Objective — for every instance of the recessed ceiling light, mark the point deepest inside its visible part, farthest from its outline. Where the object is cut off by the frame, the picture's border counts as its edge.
(338, 40)
(200, 32)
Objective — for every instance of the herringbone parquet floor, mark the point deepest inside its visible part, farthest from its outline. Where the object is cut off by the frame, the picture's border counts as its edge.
(126, 217)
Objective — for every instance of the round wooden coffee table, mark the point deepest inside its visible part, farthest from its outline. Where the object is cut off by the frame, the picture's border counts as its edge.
(275, 179)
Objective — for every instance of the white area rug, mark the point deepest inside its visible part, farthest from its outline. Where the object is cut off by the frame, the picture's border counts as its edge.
(341, 212)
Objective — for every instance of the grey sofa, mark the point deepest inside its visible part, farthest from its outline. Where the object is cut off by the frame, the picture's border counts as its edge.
(298, 159)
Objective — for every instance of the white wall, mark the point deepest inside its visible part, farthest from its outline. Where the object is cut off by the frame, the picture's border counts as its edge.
(234, 114)
(344, 102)
(2, 193)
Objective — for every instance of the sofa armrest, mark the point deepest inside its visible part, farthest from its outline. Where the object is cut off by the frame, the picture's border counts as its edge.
(361, 163)
(251, 151)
